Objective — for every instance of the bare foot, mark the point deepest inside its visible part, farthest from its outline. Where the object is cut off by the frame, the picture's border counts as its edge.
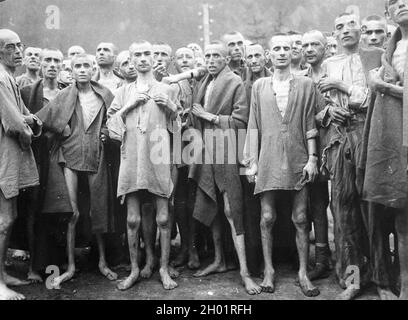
(108, 273)
(14, 282)
(34, 277)
(129, 281)
(194, 261)
(180, 260)
(8, 294)
(173, 273)
(386, 294)
(68, 275)
(308, 289)
(250, 286)
(268, 283)
(348, 294)
(147, 271)
(167, 281)
(215, 267)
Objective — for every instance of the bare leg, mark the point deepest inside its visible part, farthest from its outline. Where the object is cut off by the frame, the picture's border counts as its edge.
(218, 266)
(8, 212)
(401, 225)
(239, 242)
(149, 237)
(133, 225)
(268, 218)
(32, 275)
(71, 180)
(193, 260)
(299, 218)
(164, 223)
(103, 266)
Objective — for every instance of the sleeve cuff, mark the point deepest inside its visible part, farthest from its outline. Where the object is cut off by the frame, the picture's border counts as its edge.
(116, 127)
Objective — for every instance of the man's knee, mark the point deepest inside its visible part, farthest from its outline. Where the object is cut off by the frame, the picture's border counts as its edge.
(6, 222)
(133, 221)
(299, 218)
(162, 219)
(268, 218)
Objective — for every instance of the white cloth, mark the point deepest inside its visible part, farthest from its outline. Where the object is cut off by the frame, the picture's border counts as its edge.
(281, 89)
(90, 104)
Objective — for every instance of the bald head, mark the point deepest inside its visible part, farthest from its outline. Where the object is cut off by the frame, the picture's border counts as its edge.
(11, 49)
(7, 35)
(74, 50)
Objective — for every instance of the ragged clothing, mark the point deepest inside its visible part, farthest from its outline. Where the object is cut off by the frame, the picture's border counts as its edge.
(385, 180)
(276, 143)
(81, 151)
(342, 154)
(145, 136)
(17, 165)
(228, 101)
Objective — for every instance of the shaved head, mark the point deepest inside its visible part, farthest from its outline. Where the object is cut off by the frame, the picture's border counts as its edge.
(280, 38)
(7, 35)
(316, 35)
(218, 45)
(123, 56)
(82, 56)
(74, 50)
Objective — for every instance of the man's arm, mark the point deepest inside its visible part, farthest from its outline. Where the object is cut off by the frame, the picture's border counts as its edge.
(252, 140)
(197, 74)
(12, 120)
(311, 134)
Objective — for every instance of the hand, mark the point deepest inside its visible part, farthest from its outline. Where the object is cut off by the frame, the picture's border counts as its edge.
(327, 84)
(338, 114)
(310, 170)
(251, 173)
(199, 112)
(162, 100)
(104, 138)
(67, 132)
(161, 69)
(29, 119)
(375, 81)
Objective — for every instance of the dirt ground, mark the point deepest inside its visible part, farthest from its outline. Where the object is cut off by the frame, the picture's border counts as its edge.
(90, 285)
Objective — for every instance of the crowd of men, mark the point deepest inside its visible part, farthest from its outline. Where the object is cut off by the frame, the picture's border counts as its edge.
(218, 144)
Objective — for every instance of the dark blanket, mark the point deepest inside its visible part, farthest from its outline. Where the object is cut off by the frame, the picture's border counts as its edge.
(228, 101)
(385, 180)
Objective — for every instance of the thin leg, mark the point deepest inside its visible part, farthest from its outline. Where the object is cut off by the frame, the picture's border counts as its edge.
(401, 225)
(239, 242)
(71, 179)
(164, 223)
(8, 212)
(218, 265)
(268, 218)
(299, 218)
(149, 237)
(133, 226)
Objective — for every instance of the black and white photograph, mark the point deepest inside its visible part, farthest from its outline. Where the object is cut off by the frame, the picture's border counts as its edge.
(227, 153)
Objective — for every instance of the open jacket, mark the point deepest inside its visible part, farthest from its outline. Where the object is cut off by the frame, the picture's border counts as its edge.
(56, 115)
